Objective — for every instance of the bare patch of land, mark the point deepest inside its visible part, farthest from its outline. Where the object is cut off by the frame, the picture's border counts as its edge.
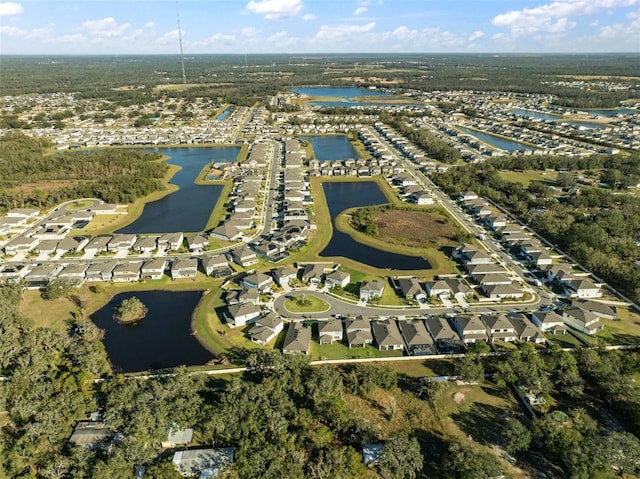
(419, 229)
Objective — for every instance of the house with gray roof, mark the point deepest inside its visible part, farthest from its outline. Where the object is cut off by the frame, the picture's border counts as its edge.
(184, 268)
(582, 320)
(74, 272)
(197, 243)
(258, 280)
(526, 330)
(329, 331)
(358, 331)
(244, 256)
(337, 279)
(387, 335)
(241, 313)
(297, 339)
(446, 338)
(215, 265)
(471, 329)
(266, 328)
(91, 435)
(204, 463)
(153, 268)
(100, 271)
(98, 244)
(499, 327)
(549, 321)
(170, 241)
(417, 340)
(371, 289)
(146, 244)
(411, 289)
(127, 271)
(122, 242)
(283, 275)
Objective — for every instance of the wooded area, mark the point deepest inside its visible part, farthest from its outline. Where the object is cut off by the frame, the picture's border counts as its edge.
(113, 175)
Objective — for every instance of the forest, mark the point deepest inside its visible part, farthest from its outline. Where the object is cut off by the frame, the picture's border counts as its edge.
(598, 227)
(249, 80)
(33, 176)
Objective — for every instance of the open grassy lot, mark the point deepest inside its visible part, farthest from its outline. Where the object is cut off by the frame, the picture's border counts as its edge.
(625, 330)
(527, 176)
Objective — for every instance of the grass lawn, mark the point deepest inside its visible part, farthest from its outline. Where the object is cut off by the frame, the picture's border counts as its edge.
(626, 330)
(310, 304)
(51, 314)
(564, 340)
(527, 176)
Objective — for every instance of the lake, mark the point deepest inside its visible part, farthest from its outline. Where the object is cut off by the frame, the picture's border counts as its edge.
(161, 340)
(343, 195)
(187, 209)
(503, 144)
(332, 147)
(534, 114)
(340, 96)
(224, 114)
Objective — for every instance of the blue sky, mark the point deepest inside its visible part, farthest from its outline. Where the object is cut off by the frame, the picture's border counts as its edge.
(319, 26)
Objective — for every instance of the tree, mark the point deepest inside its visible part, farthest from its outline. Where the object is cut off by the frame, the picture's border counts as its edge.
(400, 458)
(130, 310)
(57, 288)
(516, 437)
(622, 451)
(463, 462)
(469, 369)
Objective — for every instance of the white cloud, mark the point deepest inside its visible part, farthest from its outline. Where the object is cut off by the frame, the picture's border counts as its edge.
(13, 31)
(308, 16)
(275, 9)
(150, 24)
(554, 17)
(107, 27)
(328, 32)
(475, 35)
(249, 32)
(360, 10)
(10, 8)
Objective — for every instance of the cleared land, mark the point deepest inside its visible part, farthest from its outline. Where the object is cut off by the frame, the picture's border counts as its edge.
(417, 229)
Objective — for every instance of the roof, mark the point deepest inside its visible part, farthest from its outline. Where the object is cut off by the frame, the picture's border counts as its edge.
(386, 333)
(497, 321)
(374, 285)
(440, 329)
(359, 322)
(176, 435)
(415, 333)
(89, 433)
(330, 326)
(298, 339)
(410, 287)
(470, 323)
(204, 462)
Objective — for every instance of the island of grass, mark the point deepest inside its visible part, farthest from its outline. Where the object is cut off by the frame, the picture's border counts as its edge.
(407, 226)
(130, 310)
(303, 303)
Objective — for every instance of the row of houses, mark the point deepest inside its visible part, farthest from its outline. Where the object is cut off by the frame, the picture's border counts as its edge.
(38, 275)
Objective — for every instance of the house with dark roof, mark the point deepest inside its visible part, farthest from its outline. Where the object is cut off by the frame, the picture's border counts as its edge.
(91, 435)
(471, 329)
(241, 313)
(411, 289)
(499, 327)
(297, 339)
(549, 321)
(387, 335)
(203, 463)
(447, 340)
(312, 273)
(358, 331)
(603, 310)
(582, 320)
(526, 330)
(283, 275)
(417, 340)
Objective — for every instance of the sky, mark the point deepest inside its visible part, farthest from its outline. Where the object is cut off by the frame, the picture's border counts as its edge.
(318, 26)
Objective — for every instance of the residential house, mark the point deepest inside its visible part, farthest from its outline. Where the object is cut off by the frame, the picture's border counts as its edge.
(467, 196)
(74, 273)
(470, 329)
(146, 244)
(128, 271)
(337, 279)
(503, 291)
(446, 338)
(271, 251)
(184, 268)
(583, 288)
(72, 244)
(99, 244)
(204, 463)
(312, 273)
(411, 289)
(46, 247)
(526, 330)
(387, 335)
(122, 242)
(266, 328)
(153, 268)
(582, 320)
(25, 213)
(177, 437)
(421, 198)
(283, 275)
(91, 435)
(215, 265)
(297, 339)
(226, 232)
(330, 331)
(41, 275)
(170, 241)
(549, 321)
(241, 313)
(358, 332)
(244, 256)
(493, 279)
(477, 270)
(197, 243)
(439, 288)
(259, 281)
(603, 310)
(499, 327)
(20, 245)
(101, 271)
(417, 341)
(371, 290)
(13, 272)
